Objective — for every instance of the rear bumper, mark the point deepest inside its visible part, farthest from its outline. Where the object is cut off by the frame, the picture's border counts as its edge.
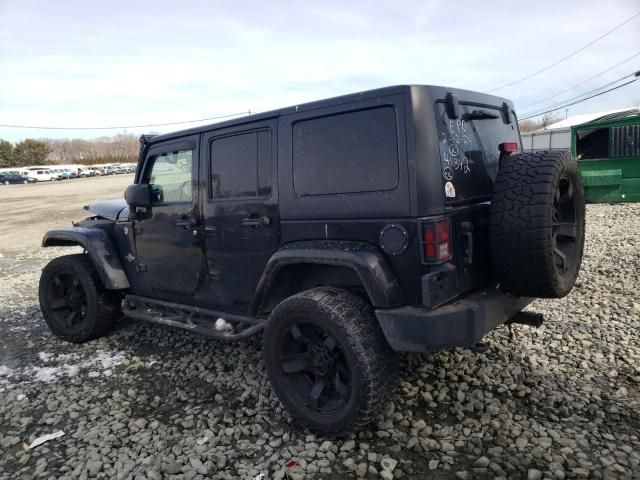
(462, 323)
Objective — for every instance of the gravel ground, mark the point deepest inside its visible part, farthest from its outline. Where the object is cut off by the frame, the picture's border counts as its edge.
(561, 401)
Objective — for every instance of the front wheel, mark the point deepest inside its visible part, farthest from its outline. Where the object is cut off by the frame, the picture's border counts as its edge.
(73, 300)
(328, 361)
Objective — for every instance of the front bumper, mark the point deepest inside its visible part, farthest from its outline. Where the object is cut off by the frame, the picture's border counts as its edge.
(462, 323)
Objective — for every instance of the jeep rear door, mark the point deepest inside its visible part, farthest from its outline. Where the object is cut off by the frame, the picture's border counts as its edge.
(240, 213)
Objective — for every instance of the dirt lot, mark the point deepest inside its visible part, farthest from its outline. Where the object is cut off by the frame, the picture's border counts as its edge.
(28, 211)
(144, 401)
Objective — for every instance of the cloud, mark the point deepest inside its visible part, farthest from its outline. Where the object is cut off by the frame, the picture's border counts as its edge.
(81, 63)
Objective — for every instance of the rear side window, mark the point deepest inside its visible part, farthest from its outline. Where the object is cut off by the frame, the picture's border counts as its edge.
(241, 165)
(346, 153)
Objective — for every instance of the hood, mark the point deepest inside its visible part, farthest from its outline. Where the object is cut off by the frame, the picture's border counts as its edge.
(109, 209)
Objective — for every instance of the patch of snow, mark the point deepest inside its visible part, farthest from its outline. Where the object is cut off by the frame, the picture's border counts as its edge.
(46, 374)
(102, 363)
(223, 326)
(45, 357)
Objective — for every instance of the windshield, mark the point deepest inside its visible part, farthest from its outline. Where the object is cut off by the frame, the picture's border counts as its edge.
(469, 149)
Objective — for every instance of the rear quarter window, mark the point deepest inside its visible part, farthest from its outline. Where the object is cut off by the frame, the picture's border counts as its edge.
(350, 152)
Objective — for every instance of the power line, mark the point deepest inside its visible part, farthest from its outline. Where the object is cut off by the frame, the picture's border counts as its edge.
(125, 126)
(589, 92)
(566, 57)
(583, 82)
(580, 101)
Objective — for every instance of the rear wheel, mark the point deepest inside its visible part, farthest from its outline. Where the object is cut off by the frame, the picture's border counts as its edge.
(537, 224)
(73, 300)
(328, 360)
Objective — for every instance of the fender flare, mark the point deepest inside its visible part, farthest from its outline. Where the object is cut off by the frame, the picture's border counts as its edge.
(369, 263)
(100, 249)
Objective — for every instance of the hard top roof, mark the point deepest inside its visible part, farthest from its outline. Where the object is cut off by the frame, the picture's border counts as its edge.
(436, 91)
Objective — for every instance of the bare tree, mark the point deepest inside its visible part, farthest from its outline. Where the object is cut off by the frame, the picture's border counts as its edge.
(121, 148)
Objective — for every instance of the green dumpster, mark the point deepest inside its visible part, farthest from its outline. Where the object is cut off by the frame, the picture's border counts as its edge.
(608, 154)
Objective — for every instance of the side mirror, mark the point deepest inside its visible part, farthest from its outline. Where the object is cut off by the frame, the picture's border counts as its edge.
(138, 195)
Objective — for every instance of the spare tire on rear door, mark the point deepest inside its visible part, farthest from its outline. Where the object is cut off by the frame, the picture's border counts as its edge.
(537, 224)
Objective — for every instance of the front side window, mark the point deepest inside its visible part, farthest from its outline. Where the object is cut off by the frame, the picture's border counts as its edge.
(169, 175)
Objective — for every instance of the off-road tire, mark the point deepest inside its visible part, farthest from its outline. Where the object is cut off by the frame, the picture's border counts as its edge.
(526, 226)
(371, 362)
(102, 306)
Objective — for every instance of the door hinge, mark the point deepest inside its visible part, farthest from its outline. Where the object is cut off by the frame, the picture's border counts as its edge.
(215, 275)
(137, 228)
(141, 267)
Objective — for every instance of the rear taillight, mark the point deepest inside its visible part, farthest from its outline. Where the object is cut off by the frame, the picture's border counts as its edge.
(508, 147)
(436, 241)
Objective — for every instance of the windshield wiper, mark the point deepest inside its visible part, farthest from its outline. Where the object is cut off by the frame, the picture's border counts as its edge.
(479, 115)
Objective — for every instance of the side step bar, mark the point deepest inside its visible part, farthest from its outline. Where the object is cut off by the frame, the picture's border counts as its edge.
(193, 319)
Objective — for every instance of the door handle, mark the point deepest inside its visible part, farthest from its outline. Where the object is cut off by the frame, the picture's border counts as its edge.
(256, 221)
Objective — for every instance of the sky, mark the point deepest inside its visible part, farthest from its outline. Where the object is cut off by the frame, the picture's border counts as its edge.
(70, 63)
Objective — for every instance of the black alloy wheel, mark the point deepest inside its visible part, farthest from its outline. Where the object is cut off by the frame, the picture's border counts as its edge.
(73, 300)
(68, 301)
(328, 360)
(315, 368)
(564, 226)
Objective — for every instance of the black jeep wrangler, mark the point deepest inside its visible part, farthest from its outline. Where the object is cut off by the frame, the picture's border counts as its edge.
(398, 219)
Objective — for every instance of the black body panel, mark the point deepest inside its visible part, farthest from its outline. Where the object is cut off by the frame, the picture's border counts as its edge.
(461, 323)
(169, 254)
(100, 249)
(109, 209)
(367, 261)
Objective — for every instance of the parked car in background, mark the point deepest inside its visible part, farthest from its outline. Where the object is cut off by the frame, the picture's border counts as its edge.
(59, 174)
(42, 175)
(8, 178)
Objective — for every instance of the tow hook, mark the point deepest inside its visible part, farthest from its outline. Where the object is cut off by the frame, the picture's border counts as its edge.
(532, 319)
